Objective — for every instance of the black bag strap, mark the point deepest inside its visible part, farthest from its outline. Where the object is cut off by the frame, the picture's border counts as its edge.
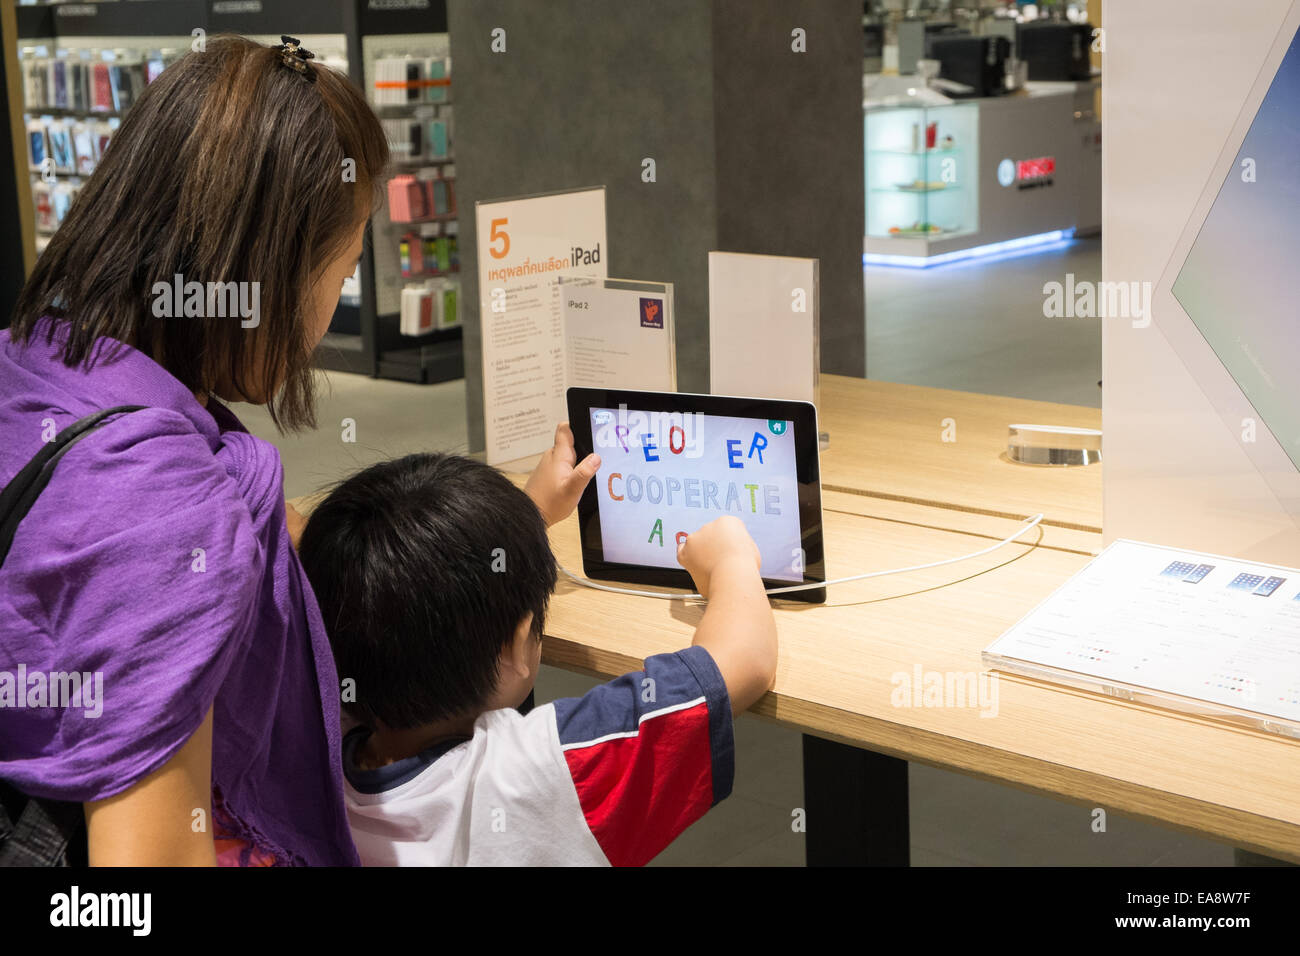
(42, 832)
(20, 494)
(35, 831)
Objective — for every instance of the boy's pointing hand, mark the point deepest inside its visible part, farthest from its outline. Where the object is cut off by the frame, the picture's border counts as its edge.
(556, 483)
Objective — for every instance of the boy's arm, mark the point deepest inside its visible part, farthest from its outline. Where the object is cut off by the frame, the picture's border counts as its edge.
(738, 629)
(651, 751)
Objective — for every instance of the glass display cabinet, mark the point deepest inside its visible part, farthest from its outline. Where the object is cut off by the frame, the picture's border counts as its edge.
(920, 175)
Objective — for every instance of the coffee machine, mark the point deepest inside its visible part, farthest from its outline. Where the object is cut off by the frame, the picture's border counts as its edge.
(979, 62)
(1055, 49)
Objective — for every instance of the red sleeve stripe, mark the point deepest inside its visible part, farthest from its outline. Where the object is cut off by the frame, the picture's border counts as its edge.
(639, 790)
(684, 705)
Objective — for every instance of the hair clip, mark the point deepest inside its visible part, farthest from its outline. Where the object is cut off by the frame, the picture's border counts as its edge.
(295, 56)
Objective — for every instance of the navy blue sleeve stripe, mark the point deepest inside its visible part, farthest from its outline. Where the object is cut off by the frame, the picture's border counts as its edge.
(618, 706)
(722, 743)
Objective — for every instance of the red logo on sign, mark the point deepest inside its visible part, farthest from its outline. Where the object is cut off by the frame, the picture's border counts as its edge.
(1035, 168)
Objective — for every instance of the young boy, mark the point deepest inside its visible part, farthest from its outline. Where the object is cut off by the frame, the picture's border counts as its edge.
(433, 574)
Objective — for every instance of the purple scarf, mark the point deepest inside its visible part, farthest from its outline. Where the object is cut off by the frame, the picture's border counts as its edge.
(156, 566)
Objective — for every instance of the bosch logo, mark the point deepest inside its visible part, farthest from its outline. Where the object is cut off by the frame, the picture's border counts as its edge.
(1027, 173)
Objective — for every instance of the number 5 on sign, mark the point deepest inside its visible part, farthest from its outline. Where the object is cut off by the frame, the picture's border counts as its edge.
(498, 232)
(524, 244)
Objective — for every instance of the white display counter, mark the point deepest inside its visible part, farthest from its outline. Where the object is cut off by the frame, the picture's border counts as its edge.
(947, 179)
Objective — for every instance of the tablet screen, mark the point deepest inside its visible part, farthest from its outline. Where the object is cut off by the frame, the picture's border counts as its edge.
(664, 475)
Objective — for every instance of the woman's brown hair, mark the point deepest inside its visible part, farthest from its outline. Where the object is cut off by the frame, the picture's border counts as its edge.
(231, 167)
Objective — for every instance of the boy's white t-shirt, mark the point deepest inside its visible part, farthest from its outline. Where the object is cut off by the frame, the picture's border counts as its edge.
(610, 777)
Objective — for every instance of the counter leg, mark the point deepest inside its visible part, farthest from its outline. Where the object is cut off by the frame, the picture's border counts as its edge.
(856, 806)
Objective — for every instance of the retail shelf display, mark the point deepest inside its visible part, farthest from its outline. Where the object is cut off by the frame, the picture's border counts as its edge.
(83, 67)
(415, 233)
(75, 91)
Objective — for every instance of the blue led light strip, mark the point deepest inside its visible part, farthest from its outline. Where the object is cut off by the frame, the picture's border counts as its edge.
(1008, 247)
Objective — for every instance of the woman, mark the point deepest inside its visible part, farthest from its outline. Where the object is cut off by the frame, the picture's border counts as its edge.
(157, 560)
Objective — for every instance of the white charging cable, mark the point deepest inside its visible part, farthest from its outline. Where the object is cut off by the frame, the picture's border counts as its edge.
(1029, 523)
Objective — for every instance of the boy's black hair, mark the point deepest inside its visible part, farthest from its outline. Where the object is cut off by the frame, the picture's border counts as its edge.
(423, 568)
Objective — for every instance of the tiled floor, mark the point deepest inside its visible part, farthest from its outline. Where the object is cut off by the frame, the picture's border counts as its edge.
(383, 420)
(979, 327)
(971, 327)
